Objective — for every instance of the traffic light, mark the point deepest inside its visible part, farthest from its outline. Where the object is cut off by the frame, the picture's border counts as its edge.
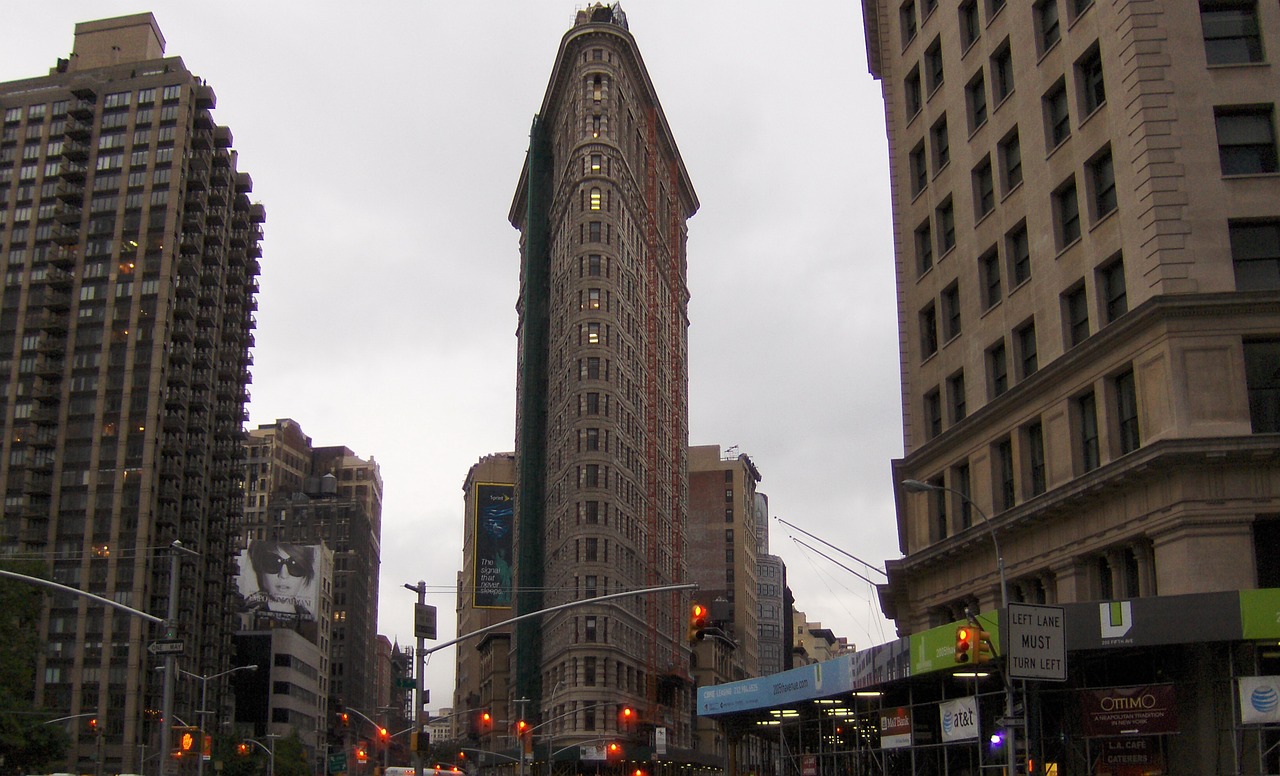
(362, 754)
(614, 750)
(242, 749)
(964, 644)
(522, 729)
(983, 653)
(697, 622)
(93, 725)
(344, 719)
(383, 736)
(626, 719)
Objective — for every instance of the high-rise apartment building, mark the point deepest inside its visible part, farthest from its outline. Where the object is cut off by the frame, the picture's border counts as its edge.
(482, 667)
(602, 400)
(723, 548)
(771, 584)
(131, 252)
(306, 495)
(1086, 218)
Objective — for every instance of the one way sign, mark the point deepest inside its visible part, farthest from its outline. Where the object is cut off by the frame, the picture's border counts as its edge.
(167, 647)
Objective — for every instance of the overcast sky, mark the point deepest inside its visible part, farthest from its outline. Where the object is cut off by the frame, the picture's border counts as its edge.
(385, 140)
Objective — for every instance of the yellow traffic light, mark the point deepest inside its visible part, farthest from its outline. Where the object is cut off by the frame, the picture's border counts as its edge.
(964, 644)
(697, 622)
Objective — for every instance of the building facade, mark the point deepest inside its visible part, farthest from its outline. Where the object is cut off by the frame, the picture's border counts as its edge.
(602, 400)
(329, 496)
(1089, 327)
(131, 253)
(1086, 230)
(771, 582)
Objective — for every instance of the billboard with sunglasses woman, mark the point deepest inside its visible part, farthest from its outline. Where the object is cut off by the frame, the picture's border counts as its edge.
(283, 579)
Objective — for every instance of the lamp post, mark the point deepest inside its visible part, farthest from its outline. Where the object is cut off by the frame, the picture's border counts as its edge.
(919, 486)
(203, 711)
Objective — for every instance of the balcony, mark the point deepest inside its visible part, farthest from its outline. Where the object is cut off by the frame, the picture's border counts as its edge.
(64, 258)
(59, 278)
(82, 108)
(78, 129)
(222, 137)
(75, 151)
(72, 171)
(49, 367)
(69, 191)
(66, 235)
(205, 98)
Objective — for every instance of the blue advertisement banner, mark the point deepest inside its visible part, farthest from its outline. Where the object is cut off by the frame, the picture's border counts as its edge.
(494, 517)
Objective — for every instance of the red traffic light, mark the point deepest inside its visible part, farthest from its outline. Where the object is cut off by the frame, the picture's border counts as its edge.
(522, 727)
(242, 749)
(344, 718)
(382, 733)
(614, 749)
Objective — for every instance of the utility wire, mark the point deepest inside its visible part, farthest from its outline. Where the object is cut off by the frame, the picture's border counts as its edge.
(832, 546)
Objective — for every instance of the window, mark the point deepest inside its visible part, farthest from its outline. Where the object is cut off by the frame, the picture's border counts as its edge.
(970, 26)
(1231, 35)
(1018, 247)
(938, 510)
(1093, 92)
(998, 362)
(1010, 162)
(912, 91)
(941, 144)
(951, 309)
(1111, 285)
(1262, 378)
(1047, 28)
(1002, 72)
(1102, 180)
(1078, 7)
(1034, 436)
(984, 188)
(924, 248)
(593, 266)
(1057, 118)
(928, 331)
(593, 439)
(946, 226)
(595, 199)
(1075, 306)
(593, 404)
(1027, 358)
(955, 397)
(1246, 140)
(1255, 252)
(989, 268)
(593, 231)
(933, 413)
(994, 7)
(964, 504)
(933, 65)
(908, 14)
(976, 99)
(593, 299)
(1066, 210)
(1088, 424)
(919, 169)
(1127, 412)
(1005, 494)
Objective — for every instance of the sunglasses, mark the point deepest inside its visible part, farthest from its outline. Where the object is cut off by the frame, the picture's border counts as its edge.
(273, 565)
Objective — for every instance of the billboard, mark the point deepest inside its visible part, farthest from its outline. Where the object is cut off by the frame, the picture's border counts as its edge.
(1144, 710)
(280, 580)
(959, 719)
(494, 520)
(1259, 700)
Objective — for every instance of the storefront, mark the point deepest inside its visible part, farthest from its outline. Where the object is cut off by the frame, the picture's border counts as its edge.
(1162, 685)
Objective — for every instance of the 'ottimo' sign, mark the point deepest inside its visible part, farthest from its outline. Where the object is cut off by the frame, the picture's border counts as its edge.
(1037, 645)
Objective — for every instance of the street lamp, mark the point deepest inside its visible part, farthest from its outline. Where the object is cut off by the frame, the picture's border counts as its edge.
(919, 486)
(204, 704)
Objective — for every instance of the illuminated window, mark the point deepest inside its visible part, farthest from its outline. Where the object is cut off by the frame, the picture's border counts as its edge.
(595, 199)
(593, 333)
(593, 299)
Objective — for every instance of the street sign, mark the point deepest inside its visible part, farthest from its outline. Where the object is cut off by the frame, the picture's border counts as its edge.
(1037, 644)
(167, 647)
(337, 762)
(424, 621)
